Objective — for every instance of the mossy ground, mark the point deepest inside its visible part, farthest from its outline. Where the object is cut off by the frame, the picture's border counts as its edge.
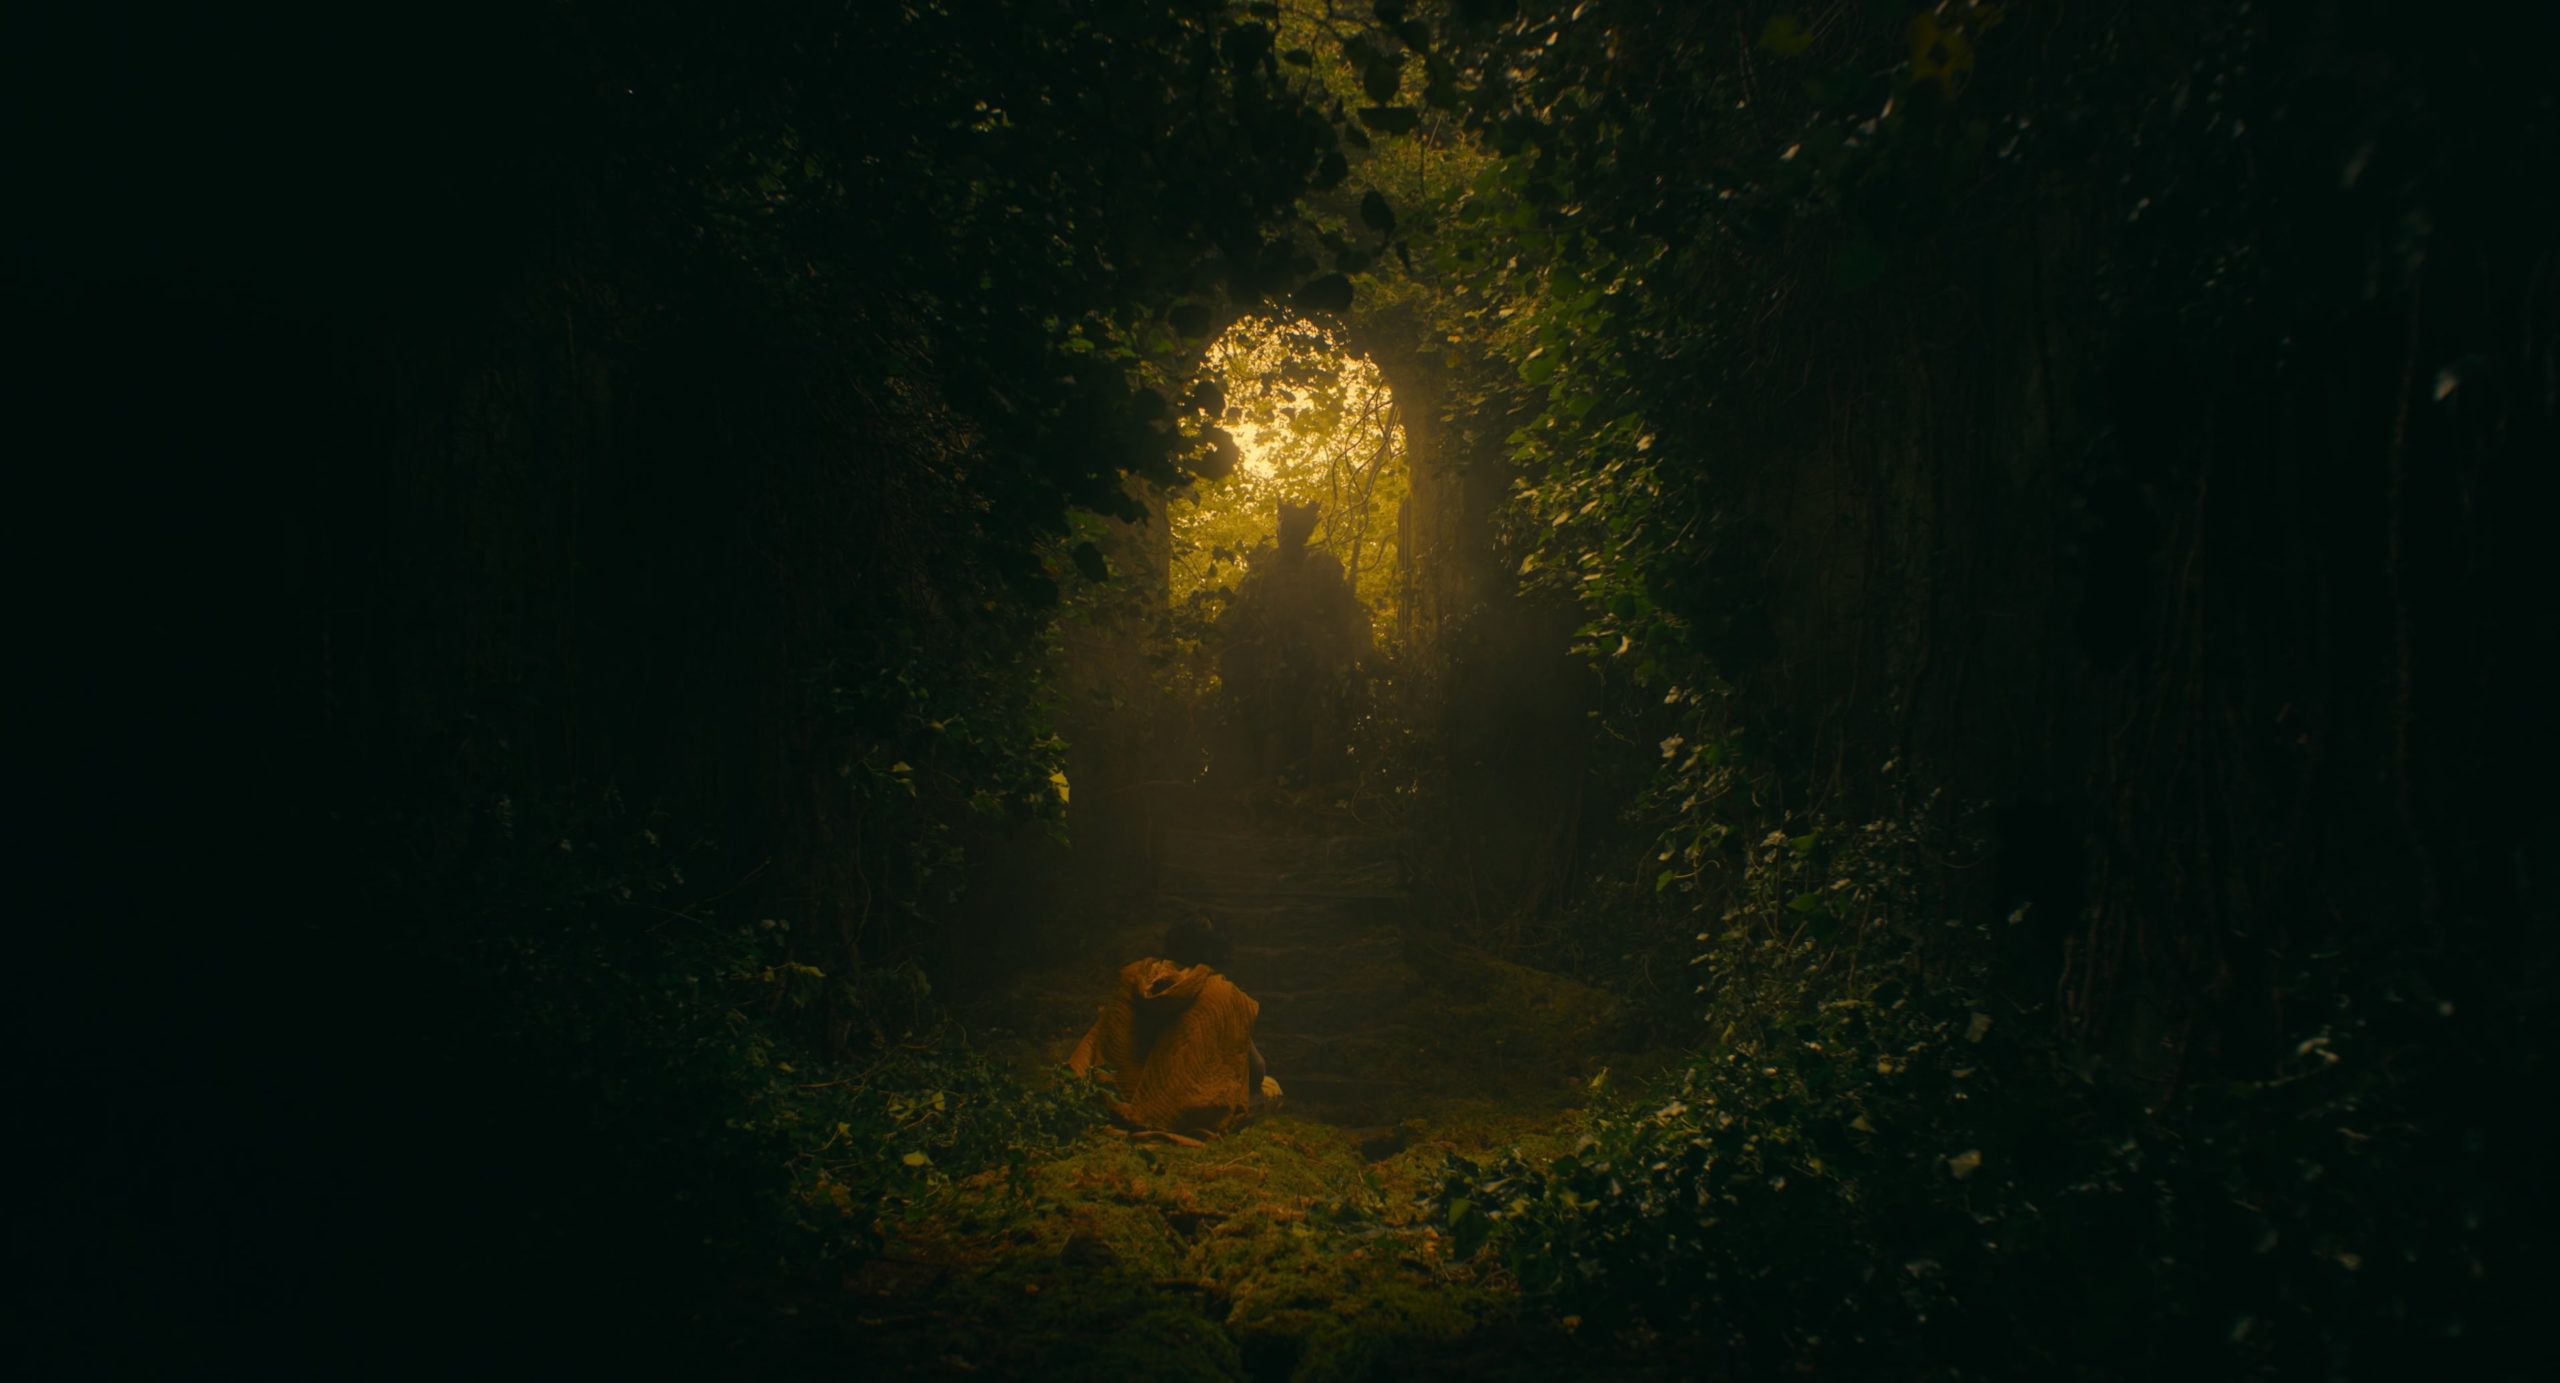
(1279, 1246)
(1290, 1249)
(1499, 1042)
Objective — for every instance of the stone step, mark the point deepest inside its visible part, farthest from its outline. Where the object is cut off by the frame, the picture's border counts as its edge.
(1217, 893)
(1209, 867)
(1320, 944)
(1351, 1013)
(1276, 849)
(1335, 1054)
(1388, 988)
(1271, 977)
(1316, 923)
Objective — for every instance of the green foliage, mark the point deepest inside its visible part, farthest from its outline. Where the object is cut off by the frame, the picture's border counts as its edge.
(621, 983)
(1879, 1163)
(1885, 1159)
(1002, 232)
(940, 753)
(1030, 245)
(1664, 186)
(1281, 1251)
(885, 1140)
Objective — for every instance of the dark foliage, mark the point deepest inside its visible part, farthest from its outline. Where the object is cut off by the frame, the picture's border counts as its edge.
(2065, 408)
(554, 420)
(561, 549)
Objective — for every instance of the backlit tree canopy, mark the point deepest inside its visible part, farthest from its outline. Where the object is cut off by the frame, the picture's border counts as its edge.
(1313, 423)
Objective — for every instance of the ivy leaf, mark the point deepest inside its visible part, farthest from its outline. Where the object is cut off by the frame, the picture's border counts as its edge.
(1220, 460)
(1191, 319)
(1090, 564)
(1938, 53)
(1468, 1228)
(1375, 213)
(916, 1159)
(1331, 293)
(1245, 43)
(1380, 77)
(1390, 119)
(1785, 35)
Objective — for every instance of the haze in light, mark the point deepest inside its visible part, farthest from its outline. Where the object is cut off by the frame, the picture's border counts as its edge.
(1312, 422)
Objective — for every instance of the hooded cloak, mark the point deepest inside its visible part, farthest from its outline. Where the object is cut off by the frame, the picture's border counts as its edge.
(1179, 1042)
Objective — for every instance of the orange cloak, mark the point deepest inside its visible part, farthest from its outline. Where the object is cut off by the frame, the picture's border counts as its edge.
(1179, 1043)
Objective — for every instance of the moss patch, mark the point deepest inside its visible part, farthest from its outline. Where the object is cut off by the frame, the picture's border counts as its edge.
(1279, 1252)
(1293, 1249)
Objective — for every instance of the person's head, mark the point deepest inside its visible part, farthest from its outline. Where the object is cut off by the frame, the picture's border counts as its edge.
(1196, 940)
(1297, 524)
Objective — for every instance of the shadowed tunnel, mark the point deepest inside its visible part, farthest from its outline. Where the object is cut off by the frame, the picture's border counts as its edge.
(1172, 689)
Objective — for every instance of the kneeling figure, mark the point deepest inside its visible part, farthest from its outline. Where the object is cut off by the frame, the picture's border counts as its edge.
(1178, 1039)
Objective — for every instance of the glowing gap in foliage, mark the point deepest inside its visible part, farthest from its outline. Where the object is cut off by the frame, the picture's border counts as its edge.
(1313, 423)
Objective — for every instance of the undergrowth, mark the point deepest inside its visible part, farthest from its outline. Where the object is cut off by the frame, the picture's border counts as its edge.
(1282, 1251)
(689, 1045)
(1876, 1161)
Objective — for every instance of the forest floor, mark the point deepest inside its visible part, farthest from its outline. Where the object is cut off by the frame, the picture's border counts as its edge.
(1297, 1247)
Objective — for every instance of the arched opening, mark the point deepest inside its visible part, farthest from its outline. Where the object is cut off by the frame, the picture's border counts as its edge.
(1314, 424)
(1288, 578)
(1899, 716)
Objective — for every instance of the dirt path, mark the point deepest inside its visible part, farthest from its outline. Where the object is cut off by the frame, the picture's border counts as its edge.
(1300, 1246)
(1317, 923)
(1370, 1022)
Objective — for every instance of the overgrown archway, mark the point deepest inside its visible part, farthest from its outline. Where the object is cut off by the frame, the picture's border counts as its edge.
(1314, 423)
(1914, 580)
(1288, 575)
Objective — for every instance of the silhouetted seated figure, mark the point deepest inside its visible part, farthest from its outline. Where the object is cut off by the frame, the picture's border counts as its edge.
(1178, 1039)
(1288, 645)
